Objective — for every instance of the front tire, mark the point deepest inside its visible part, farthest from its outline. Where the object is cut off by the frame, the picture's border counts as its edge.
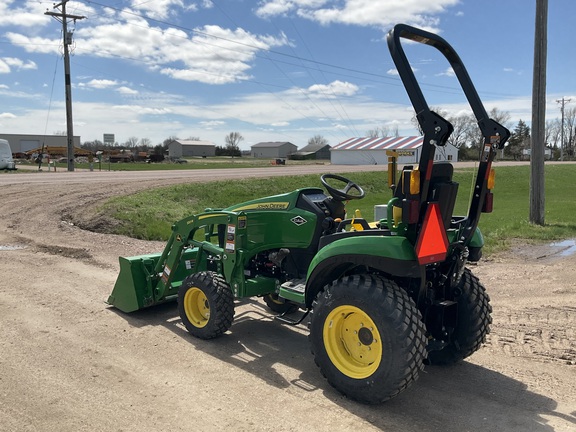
(206, 305)
(367, 337)
(472, 325)
(275, 304)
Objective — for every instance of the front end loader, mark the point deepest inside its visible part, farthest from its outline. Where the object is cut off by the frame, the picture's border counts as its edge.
(382, 297)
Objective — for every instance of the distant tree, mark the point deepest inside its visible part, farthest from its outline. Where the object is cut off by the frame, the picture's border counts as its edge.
(462, 125)
(233, 140)
(168, 140)
(93, 146)
(131, 142)
(474, 137)
(552, 133)
(381, 131)
(145, 143)
(570, 132)
(318, 140)
(519, 140)
(193, 138)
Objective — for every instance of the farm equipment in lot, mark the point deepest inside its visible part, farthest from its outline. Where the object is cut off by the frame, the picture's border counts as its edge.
(382, 297)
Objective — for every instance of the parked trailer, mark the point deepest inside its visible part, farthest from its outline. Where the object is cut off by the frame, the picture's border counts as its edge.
(6, 161)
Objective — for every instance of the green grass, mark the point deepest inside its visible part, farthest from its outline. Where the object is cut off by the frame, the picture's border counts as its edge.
(192, 164)
(150, 214)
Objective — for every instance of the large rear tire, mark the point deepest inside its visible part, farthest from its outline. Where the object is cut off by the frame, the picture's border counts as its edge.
(206, 305)
(473, 322)
(367, 337)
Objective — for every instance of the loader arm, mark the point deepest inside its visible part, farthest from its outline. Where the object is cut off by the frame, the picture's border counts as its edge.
(206, 241)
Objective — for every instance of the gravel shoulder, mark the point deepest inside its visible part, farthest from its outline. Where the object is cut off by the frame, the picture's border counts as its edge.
(69, 362)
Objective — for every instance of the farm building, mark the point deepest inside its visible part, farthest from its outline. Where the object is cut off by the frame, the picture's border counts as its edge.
(20, 143)
(273, 150)
(183, 148)
(372, 151)
(312, 151)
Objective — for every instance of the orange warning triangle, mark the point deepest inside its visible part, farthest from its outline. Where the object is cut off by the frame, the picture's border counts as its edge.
(432, 244)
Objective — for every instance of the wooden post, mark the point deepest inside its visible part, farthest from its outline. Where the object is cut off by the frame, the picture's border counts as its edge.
(537, 208)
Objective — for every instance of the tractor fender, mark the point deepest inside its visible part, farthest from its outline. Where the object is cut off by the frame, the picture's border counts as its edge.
(393, 255)
(477, 239)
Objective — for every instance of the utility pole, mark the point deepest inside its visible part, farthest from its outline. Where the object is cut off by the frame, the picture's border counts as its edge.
(563, 102)
(63, 17)
(538, 114)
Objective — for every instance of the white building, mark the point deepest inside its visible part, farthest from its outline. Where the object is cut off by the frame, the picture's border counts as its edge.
(372, 151)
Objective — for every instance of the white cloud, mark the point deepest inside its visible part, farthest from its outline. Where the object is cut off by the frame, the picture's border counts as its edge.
(9, 63)
(449, 72)
(160, 9)
(334, 89)
(211, 124)
(126, 91)
(394, 72)
(361, 12)
(29, 14)
(6, 115)
(99, 84)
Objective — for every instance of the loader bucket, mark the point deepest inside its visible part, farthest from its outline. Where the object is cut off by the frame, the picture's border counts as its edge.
(137, 283)
(133, 288)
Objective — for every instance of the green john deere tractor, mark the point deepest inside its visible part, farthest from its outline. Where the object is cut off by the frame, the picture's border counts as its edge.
(382, 297)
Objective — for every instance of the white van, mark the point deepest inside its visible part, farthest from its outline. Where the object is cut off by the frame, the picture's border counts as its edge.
(6, 161)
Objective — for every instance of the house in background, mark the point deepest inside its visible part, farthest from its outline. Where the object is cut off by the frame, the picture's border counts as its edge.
(372, 151)
(272, 150)
(189, 148)
(312, 152)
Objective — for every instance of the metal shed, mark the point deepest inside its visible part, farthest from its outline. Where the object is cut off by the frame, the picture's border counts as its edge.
(281, 149)
(183, 148)
(312, 151)
(372, 151)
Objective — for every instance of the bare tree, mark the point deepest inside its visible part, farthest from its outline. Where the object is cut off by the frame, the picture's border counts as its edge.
(552, 133)
(318, 140)
(233, 140)
(168, 140)
(145, 143)
(381, 131)
(131, 142)
(570, 132)
(462, 124)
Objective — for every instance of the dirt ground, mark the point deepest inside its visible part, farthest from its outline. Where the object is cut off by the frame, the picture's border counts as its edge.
(69, 362)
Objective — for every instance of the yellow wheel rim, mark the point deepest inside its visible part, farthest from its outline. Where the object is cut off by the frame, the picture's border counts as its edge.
(352, 342)
(196, 307)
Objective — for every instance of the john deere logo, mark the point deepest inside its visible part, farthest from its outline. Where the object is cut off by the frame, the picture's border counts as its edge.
(298, 220)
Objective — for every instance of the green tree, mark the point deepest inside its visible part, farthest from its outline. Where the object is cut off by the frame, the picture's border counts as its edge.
(519, 140)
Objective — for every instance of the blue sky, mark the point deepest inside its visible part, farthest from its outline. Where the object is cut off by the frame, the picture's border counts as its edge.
(273, 70)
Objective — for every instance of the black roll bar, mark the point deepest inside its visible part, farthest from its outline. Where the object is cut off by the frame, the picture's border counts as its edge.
(436, 129)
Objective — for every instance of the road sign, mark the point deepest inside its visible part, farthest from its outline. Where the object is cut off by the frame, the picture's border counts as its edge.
(109, 139)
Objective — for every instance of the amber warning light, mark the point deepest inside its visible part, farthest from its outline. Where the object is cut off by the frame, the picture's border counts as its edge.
(432, 244)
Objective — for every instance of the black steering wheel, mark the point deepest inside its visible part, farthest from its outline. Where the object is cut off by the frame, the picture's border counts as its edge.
(344, 193)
